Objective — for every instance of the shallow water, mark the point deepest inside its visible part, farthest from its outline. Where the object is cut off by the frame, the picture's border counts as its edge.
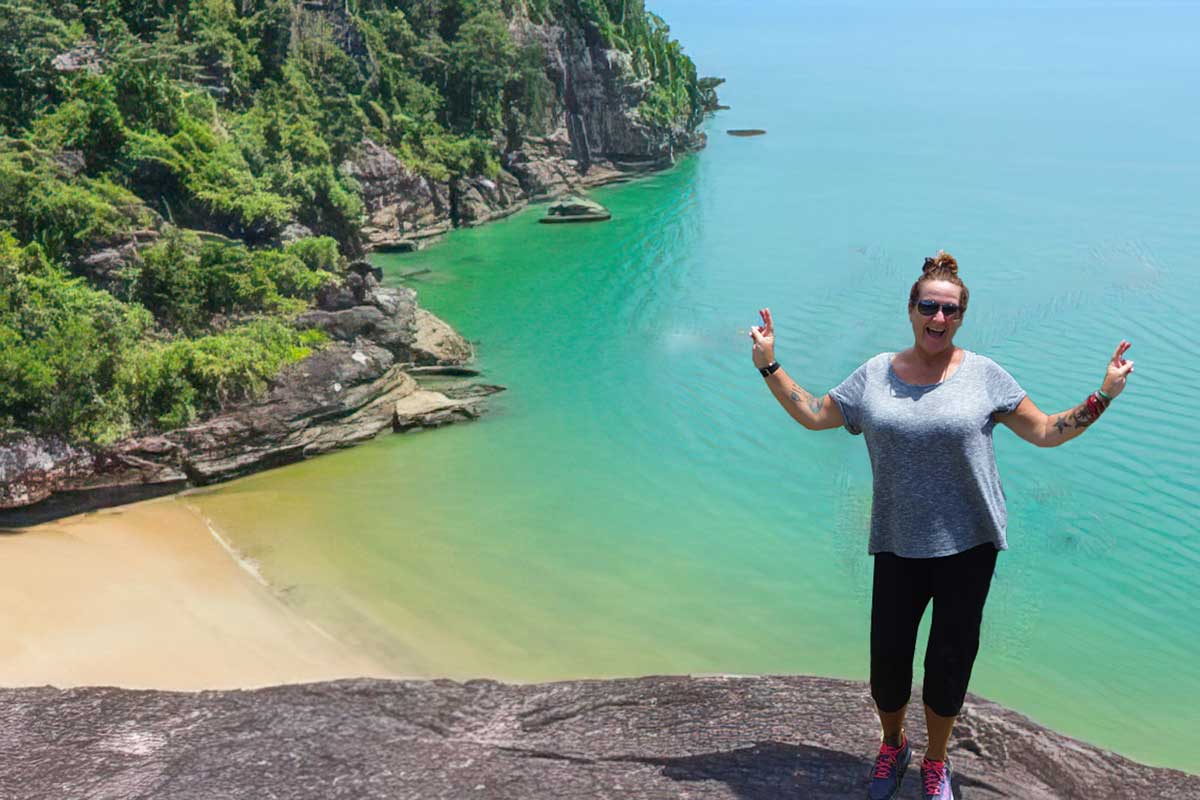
(636, 502)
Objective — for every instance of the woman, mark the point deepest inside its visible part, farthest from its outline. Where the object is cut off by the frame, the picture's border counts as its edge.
(938, 516)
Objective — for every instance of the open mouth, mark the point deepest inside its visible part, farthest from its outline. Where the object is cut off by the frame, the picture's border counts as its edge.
(935, 333)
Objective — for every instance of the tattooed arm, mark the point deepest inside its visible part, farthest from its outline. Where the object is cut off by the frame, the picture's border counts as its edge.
(1050, 430)
(814, 413)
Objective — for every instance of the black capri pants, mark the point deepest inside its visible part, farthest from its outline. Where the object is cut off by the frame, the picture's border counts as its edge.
(903, 587)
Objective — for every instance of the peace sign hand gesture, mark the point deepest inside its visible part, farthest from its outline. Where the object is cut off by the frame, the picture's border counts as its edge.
(1118, 369)
(764, 340)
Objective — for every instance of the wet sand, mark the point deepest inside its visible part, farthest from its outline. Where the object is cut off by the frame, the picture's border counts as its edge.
(144, 596)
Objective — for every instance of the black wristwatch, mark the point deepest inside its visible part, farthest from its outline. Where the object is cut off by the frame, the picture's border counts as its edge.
(769, 369)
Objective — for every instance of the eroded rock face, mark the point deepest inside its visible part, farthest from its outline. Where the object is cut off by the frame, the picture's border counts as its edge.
(34, 467)
(654, 737)
(595, 104)
(402, 206)
(591, 133)
(106, 261)
(480, 199)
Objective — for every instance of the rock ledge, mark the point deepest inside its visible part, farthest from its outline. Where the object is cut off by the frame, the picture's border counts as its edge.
(363, 383)
(652, 737)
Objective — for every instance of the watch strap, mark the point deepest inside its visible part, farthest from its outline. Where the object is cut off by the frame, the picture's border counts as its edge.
(769, 369)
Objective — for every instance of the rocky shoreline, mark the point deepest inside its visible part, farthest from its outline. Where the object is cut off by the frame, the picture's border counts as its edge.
(368, 380)
(380, 372)
(592, 136)
(651, 737)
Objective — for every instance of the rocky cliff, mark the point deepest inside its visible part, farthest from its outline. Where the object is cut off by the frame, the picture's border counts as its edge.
(760, 738)
(369, 379)
(591, 133)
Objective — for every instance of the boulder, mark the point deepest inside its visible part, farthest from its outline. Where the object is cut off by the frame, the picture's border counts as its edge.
(293, 232)
(575, 209)
(436, 343)
(363, 309)
(33, 467)
(84, 56)
(477, 200)
(428, 409)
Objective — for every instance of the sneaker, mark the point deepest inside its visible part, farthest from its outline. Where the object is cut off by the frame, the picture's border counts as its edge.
(890, 766)
(935, 777)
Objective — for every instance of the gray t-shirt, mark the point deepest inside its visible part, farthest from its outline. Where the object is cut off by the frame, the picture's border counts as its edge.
(936, 491)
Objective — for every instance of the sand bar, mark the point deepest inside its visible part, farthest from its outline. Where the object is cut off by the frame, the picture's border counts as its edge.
(144, 596)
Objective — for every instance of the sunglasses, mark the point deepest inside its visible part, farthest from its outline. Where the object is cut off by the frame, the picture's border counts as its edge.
(927, 308)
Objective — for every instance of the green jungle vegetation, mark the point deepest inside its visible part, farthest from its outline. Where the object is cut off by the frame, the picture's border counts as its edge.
(212, 125)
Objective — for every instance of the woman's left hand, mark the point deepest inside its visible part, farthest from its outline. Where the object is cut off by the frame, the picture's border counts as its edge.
(1118, 369)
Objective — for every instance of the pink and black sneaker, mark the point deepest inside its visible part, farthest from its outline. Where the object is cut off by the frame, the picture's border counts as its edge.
(890, 766)
(935, 776)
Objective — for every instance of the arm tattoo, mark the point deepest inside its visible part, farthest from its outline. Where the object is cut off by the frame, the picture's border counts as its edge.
(798, 396)
(1081, 416)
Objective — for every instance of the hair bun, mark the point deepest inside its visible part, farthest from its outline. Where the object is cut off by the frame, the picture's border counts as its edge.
(941, 261)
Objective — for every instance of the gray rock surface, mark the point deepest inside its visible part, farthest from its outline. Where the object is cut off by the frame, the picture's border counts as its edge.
(480, 199)
(83, 56)
(575, 209)
(106, 260)
(293, 232)
(754, 738)
(32, 466)
(436, 343)
(596, 99)
(402, 206)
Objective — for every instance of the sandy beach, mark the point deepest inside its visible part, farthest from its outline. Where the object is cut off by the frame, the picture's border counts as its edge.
(144, 596)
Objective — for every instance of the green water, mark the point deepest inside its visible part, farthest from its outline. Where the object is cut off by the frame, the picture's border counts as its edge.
(637, 503)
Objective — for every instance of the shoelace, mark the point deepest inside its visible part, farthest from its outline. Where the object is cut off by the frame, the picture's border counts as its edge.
(886, 761)
(933, 772)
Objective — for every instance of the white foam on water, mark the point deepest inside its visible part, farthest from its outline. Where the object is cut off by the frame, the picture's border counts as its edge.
(248, 564)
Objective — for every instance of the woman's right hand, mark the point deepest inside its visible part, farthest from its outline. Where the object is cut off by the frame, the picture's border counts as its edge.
(763, 335)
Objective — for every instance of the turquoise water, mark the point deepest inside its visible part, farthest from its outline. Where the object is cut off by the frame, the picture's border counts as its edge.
(636, 502)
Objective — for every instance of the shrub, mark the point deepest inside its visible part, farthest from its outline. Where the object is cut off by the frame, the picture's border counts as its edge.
(171, 384)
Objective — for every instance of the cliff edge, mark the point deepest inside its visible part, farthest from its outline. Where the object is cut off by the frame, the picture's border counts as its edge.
(652, 737)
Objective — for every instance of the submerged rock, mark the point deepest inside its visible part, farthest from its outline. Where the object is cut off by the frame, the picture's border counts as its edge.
(573, 208)
(653, 737)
